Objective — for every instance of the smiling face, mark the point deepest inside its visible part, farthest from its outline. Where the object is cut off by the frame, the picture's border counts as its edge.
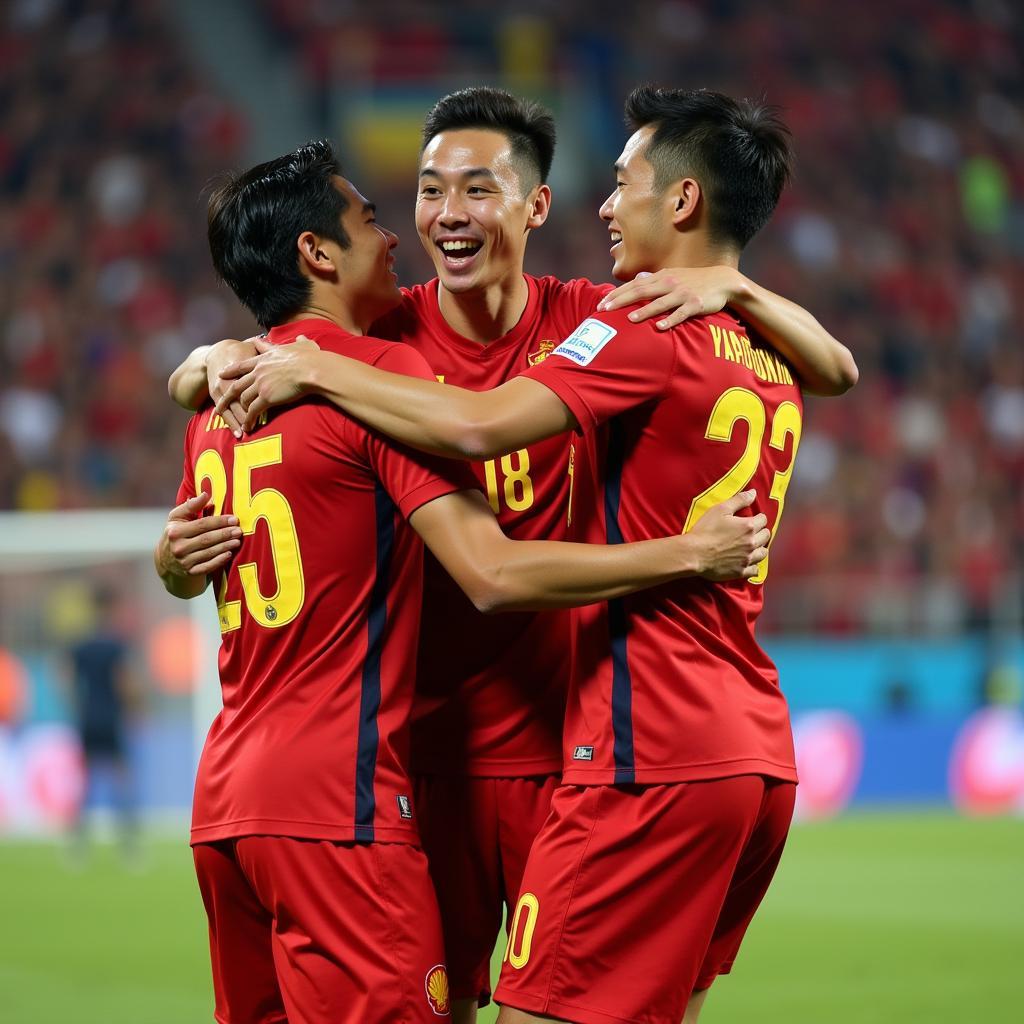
(639, 215)
(471, 212)
(365, 268)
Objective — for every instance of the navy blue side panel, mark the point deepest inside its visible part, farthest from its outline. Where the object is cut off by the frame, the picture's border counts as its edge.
(369, 703)
(622, 682)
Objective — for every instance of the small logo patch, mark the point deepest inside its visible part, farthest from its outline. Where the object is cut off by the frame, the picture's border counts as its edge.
(544, 350)
(583, 754)
(404, 807)
(586, 341)
(436, 985)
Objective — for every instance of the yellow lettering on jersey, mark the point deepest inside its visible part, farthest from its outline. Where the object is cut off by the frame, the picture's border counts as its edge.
(759, 369)
(716, 338)
(748, 355)
(216, 422)
(440, 378)
(736, 347)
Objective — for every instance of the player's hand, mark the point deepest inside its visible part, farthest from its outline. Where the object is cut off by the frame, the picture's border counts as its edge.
(193, 544)
(226, 353)
(680, 292)
(276, 375)
(732, 544)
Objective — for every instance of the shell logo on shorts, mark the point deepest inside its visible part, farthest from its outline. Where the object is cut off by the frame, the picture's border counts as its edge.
(436, 985)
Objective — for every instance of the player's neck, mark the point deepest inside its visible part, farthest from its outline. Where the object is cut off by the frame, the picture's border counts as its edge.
(485, 314)
(697, 250)
(338, 313)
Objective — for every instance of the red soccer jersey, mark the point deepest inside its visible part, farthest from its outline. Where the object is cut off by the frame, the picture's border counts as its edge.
(491, 689)
(670, 685)
(318, 611)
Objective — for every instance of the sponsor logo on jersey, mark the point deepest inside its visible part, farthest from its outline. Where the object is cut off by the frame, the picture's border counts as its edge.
(546, 348)
(583, 754)
(436, 985)
(586, 341)
(404, 806)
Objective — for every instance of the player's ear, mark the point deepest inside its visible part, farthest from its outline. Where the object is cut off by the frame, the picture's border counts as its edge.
(685, 197)
(540, 206)
(312, 254)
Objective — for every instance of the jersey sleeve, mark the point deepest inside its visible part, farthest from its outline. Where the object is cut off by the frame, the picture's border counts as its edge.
(606, 366)
(187, 487)
(586, 295)
(410, 477)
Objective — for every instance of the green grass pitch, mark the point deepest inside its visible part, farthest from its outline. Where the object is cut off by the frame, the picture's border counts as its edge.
(873, 919)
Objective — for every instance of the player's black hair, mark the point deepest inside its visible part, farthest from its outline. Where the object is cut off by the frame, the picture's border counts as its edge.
(738, 151)
(253, 222)
(529, 127)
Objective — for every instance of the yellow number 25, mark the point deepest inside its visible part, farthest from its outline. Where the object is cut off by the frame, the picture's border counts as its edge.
(270, 505)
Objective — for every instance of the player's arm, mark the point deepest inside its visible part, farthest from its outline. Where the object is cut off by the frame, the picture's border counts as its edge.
(823, 365)
(193, 545)
(198, 378)
(499, 574)
(437, 418)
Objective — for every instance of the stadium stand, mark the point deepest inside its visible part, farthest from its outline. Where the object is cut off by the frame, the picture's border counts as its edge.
(903, 232)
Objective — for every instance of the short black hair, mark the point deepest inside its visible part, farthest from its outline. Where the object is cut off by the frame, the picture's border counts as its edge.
(254, 219)
(738, 151)
(529, 127)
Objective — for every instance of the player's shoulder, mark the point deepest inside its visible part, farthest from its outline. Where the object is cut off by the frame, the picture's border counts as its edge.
(396, 357)
(583, 295)
(723, 340)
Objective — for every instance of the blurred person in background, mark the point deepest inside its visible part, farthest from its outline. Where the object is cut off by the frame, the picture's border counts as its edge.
(104, 697)
(491, 692)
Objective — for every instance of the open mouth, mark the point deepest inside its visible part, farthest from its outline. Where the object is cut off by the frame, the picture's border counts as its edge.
(616, 237)
(459, 254)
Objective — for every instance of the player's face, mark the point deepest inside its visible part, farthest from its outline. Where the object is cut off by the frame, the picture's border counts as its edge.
(471, 213)
(638, 216)
(365, 267)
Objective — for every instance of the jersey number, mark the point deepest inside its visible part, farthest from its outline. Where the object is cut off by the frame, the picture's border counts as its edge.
(281, 607)
(740, 404)
(520, 935)
(517, 486)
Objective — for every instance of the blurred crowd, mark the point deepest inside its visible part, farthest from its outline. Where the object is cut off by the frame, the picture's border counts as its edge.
(903, 232)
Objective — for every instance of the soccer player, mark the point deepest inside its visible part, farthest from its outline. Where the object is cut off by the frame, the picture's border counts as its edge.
(305, 846)
(491, 692)
(678, 755)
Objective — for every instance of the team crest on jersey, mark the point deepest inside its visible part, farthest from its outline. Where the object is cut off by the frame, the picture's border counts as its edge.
(546, 348)
(583, 345)
(583, 754)
(404, 806)
(436, 985)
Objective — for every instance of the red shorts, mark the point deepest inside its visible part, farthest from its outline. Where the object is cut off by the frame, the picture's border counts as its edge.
(317, 932)
(477, 833)
(636, 896)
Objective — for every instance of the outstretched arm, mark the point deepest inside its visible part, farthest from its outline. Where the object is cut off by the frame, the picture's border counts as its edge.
(499, 574)
(823, 365)
(432, 417)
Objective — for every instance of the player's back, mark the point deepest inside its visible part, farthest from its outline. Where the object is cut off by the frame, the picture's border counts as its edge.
(318, 613)
(677, 423)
